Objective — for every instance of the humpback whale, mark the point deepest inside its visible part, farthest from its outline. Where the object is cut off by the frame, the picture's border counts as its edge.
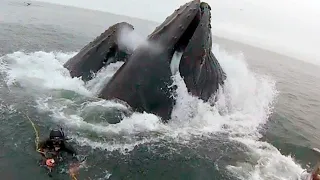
(144, 81)
(102, 51)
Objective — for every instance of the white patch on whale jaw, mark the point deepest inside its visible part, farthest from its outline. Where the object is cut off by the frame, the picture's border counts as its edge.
(175, 62)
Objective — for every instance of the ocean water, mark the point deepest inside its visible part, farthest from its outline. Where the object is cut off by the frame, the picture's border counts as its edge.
(263, 127)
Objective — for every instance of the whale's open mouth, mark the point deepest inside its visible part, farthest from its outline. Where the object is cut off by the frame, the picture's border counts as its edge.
(184, 40)
(188, 33)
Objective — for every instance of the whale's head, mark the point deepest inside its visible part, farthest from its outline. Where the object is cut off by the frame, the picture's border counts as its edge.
(183, 42)
(186, 35)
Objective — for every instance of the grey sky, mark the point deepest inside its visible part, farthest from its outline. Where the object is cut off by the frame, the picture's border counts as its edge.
(287, 25)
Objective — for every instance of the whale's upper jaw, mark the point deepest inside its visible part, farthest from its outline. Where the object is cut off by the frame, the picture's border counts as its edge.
(177, 30)
(174, 26)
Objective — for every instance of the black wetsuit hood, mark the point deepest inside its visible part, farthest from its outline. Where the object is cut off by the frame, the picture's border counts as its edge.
(56, 134)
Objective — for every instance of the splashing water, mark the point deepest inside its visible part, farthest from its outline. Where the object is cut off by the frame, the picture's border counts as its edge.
(131, 40)
(102, 77)
(243, 107)
(39, 70)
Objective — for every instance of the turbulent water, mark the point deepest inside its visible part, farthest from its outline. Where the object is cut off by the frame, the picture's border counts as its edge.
(239, 138)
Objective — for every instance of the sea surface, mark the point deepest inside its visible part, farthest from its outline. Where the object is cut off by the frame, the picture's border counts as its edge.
(263, 127)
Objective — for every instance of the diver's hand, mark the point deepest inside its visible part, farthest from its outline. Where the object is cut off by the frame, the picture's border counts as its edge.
(48, 154)
(44, 152)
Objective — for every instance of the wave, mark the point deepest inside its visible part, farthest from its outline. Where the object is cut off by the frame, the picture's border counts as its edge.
(240, 113)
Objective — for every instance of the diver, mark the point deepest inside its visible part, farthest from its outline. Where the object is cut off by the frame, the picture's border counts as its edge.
(51, 148)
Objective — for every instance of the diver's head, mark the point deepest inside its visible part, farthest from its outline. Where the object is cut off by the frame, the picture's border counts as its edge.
(57, 137)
